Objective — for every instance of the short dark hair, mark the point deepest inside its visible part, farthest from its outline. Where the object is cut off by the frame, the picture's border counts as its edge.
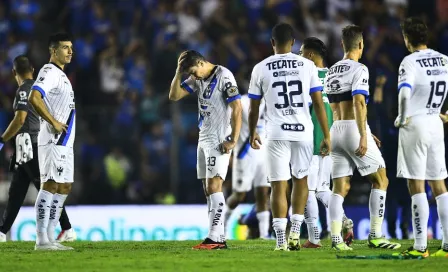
(351, 36)
(318, 46)
(415, 30)
(22, 65)
(191, 59)
(282, 33)
(53, 40)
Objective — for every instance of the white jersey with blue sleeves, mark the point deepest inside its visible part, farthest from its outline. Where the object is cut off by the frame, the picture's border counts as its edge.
(214, 95)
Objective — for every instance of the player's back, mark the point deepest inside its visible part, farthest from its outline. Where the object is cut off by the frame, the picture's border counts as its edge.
(58, 95)
(284, 81)
(426, 73)
(345, 79)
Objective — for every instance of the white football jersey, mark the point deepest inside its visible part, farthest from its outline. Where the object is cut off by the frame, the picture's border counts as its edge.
(58, 95)
(426, 73)
(345, 79)
(285, 81)
(214, 95)
(243, 145)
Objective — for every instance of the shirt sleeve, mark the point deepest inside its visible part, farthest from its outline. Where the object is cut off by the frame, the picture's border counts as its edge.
(360, 83)
(316, 83)
(189, 85)
(406, 75)
(44, 82)
(22, 98)
(230, 88)
(255, 88)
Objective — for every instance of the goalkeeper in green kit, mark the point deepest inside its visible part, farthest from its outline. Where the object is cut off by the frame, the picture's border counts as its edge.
(320, 168)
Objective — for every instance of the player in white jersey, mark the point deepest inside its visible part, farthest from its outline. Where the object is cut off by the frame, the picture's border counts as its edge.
(249, 169)
(320, 169)
(422, 86)
(287, 83)
(53, 99)
(353, 146)
(220, 110)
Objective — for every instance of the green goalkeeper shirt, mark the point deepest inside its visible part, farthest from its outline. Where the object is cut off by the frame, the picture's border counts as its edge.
(318, 134)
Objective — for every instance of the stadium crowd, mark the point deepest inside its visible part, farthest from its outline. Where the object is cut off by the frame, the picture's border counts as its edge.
(133, 146)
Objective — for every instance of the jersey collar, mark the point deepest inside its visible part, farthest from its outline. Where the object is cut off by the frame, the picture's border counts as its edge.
(211, 73)
(57, 66)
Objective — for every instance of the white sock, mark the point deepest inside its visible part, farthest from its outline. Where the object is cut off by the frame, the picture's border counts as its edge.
(420, 216)
(296, 223)
(216, 217)
(42, 209)
(55, 214)
(311, 215)
(336, 214)
(263, 223)
(279, 225)
(227, 214)
(377, 204)
(324, 197)
(208, 205)
(442, 210)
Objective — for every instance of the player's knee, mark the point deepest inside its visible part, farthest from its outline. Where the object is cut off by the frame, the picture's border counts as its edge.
(64, 188)
(438, 187)
(214, 185)
(50, 186)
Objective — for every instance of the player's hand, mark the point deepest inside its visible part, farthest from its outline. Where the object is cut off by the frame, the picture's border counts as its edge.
(444, 117)
(59, 127)
(377, 141)
(400, 122)
(325, 147)
(255, 141)
(362, 149)
(179, 61)
(227, 146)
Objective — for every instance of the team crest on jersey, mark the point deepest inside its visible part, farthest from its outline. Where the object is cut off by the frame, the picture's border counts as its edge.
(402, 72)
(335, 86)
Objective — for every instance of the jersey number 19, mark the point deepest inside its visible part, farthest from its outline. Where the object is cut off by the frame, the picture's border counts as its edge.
(437, 89)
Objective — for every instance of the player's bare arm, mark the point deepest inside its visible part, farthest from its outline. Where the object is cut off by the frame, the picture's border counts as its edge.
(444, 117)
(15, 125)
(403, 106)
(35, 99)
(321, 114)
(360, 107)
(177, 92)
(235, 122)
(377, 141)
(254, 113)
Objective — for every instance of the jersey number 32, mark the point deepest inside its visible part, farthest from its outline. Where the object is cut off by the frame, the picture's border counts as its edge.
(288, 97)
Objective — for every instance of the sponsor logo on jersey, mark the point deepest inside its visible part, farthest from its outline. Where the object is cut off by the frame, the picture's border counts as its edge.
(436, 72)
(293, 127)
(285, 73)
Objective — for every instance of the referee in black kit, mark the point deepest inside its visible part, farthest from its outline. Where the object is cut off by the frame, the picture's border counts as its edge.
(25, 121)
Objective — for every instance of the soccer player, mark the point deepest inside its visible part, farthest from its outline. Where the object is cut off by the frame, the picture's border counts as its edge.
(320, 168)
(53, 99)
(422, 86)
(220, 110)
(249, 168)
(285, 81)
(353, 146)
(25, 121)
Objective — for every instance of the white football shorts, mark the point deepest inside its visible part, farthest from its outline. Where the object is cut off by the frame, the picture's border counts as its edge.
(282, 154)
(320, 173)
(249, 169)
(421, 149)
(212, 163)
(344, 142)
(56, 162)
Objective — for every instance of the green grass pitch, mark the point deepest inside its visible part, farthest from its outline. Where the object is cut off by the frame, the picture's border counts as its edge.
(253, 255)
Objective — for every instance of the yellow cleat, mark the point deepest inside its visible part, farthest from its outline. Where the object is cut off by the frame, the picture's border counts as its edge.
(413, 253)
(294, 241)
(341, 247)
(440, 253)
(382, 243)
(283, 247)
